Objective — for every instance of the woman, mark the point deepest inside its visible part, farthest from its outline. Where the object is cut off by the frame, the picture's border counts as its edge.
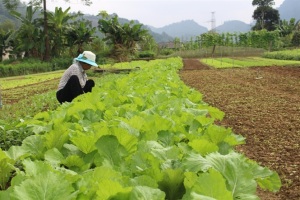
(74, 81)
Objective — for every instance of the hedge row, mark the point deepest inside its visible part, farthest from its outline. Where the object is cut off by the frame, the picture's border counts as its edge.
(284, 55)
(24, 67)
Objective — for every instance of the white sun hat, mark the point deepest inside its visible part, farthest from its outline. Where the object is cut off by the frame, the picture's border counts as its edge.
(87, 57)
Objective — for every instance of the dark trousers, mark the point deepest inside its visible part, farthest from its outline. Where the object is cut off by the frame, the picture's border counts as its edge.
(73, 89)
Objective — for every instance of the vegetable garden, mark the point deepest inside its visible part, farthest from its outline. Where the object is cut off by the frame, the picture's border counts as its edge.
(126, 140)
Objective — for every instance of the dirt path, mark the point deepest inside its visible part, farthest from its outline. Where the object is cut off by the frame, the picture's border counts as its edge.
(263, 105)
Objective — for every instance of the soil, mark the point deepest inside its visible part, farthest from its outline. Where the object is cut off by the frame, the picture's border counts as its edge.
(263, 105)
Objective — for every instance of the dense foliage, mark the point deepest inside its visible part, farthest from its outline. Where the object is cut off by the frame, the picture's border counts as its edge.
(126, 140)
(284, 55)
(31, 66)
(266, 17)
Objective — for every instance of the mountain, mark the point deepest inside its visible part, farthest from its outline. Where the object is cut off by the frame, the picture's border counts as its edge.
(233, 26)
(289, 9)
(183, 30)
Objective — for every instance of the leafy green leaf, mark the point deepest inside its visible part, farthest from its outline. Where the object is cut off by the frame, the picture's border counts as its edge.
(172, 183)
(17, 152)
(210, 184)
(109, 188)
(112, 151)
(34, 144)
(6, 168)
(47, 186)
(145, 193)
(236, 171)
(54, 156)
(203, 146)
(85, 141)
(57, 137)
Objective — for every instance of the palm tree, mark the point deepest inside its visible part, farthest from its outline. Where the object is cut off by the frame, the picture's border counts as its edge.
(28, 36)
(12, 5)
(57, 22)
(123, 37)
(4, 36)
(78, 34)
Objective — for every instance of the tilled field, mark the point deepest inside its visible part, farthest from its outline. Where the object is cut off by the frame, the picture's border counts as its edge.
(263, 105)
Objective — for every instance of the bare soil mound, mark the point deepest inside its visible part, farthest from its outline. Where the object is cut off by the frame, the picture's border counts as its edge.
(263, 105)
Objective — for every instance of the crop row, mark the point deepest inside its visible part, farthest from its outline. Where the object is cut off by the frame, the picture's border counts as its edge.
(17, 81)
(141, 136)
(247, 62)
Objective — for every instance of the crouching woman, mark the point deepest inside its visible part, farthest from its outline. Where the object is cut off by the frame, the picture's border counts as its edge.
(74, 81)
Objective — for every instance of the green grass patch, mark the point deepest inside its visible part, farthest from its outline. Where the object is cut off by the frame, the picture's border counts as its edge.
(125, 65)
(17, 81)
(239, 62)
(284, 55)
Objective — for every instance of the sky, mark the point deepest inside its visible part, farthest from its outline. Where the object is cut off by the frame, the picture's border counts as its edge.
(159, 13)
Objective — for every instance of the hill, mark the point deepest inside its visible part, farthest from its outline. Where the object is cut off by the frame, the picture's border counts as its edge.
(233, 26)
(183, 30)
(290, 9)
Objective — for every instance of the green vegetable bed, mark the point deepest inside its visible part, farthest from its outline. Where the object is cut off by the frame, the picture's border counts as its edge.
(247, 62)
(145, 135)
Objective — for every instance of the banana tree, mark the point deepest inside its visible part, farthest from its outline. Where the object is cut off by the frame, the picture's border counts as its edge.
(78, 34)
(57, 23)
(12, 5)
(123, 37)
(4, 36)
(29, 35)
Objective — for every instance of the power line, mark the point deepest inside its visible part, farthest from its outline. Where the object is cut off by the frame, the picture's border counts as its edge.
(213, 22)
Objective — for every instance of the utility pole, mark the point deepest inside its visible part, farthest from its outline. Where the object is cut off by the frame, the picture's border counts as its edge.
(213, 22)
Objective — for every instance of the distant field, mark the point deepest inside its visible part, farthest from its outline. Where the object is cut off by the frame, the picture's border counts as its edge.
(284, 55)
(247, 62)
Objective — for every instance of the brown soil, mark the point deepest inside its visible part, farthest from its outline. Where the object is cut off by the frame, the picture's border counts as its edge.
(263, 105)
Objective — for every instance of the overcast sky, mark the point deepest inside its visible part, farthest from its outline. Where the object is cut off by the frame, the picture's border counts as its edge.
(159, 13)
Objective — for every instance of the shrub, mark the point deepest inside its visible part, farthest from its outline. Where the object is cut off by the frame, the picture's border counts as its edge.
(146, 54)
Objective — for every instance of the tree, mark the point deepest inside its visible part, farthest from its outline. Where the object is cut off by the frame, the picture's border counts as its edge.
(57, 23)
(123, 37)
(12, 4)
(266, 17)
(6, 30)
(286, 27)
(296, 39)
(4, 36)
(263, 3)
(28, 36)
(296, 36)
(79, 33)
